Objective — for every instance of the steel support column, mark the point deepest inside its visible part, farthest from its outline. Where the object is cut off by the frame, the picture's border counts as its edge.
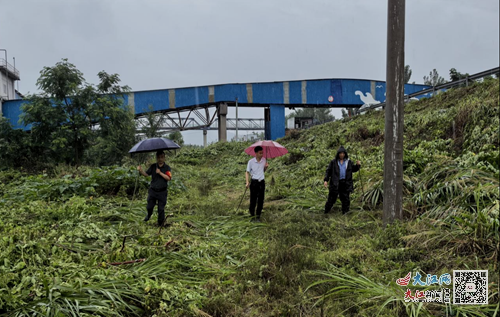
(222, 114)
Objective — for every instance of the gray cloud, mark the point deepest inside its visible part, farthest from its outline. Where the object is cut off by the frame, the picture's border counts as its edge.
(164, 44)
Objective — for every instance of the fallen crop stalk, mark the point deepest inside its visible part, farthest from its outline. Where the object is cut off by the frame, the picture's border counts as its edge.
(127, 262)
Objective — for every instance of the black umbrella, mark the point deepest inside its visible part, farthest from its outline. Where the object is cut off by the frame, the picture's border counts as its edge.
(154, 144)
(151, 145)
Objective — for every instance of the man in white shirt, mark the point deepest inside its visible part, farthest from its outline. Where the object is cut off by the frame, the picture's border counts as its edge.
(255, 171)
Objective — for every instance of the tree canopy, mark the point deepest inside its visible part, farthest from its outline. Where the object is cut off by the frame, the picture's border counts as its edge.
(456, 75)
(434, 79)
(176, 136)
(407, 74)
(151, 124)
(320, 115)
(72, 120)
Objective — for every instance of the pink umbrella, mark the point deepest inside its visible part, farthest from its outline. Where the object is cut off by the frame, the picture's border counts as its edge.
(271, 149)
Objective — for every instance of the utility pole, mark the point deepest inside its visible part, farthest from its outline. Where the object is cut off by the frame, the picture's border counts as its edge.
(394, 112)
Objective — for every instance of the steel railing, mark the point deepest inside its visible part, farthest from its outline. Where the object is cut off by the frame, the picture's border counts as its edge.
(10, 68)
(466, 80)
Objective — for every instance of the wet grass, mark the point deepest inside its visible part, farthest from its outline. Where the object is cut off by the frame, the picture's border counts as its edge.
(67, 241)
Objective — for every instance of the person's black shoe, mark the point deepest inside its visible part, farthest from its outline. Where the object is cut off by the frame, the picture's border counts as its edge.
(147, 217)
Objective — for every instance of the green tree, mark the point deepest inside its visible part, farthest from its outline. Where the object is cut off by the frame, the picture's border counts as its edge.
(176, 136)
(320, 115)
(434, 79)
(407, 74)
(56, 122)
(70, 115)
(344, 113)
(347, 112)
(14, 145)
(115, 133)
(258, 135)
(456, 75)
(151, 124)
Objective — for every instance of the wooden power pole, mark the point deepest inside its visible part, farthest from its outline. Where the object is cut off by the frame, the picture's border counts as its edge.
(394, 112)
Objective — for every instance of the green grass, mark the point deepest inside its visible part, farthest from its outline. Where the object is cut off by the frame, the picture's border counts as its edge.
(61, 231)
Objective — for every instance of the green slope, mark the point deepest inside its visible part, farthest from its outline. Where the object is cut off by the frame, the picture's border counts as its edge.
(62, 230)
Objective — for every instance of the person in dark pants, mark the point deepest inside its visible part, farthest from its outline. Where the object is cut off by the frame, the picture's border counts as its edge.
(160, 176)
(339, 174)
(255, 171)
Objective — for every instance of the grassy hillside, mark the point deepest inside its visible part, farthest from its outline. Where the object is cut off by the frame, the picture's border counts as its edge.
(63, 230)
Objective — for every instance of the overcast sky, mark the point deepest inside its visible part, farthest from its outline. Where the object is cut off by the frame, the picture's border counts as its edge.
(169, 44)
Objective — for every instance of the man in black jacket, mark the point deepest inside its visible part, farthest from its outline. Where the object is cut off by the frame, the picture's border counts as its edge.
(160, 176)
(339, 174)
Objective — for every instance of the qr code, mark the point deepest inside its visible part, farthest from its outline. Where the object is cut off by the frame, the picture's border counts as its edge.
(470, 287)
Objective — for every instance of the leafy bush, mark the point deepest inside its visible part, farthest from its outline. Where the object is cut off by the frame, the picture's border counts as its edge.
(444, 189)
(15, 148)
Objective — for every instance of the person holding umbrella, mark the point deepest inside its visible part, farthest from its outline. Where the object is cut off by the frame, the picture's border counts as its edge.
(339, 174)
(160, 176)
(255, 171)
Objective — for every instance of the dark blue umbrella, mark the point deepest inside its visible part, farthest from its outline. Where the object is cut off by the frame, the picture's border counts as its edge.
(154, 144)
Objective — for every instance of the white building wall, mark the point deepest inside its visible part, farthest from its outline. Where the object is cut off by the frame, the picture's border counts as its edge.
(6, 87)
